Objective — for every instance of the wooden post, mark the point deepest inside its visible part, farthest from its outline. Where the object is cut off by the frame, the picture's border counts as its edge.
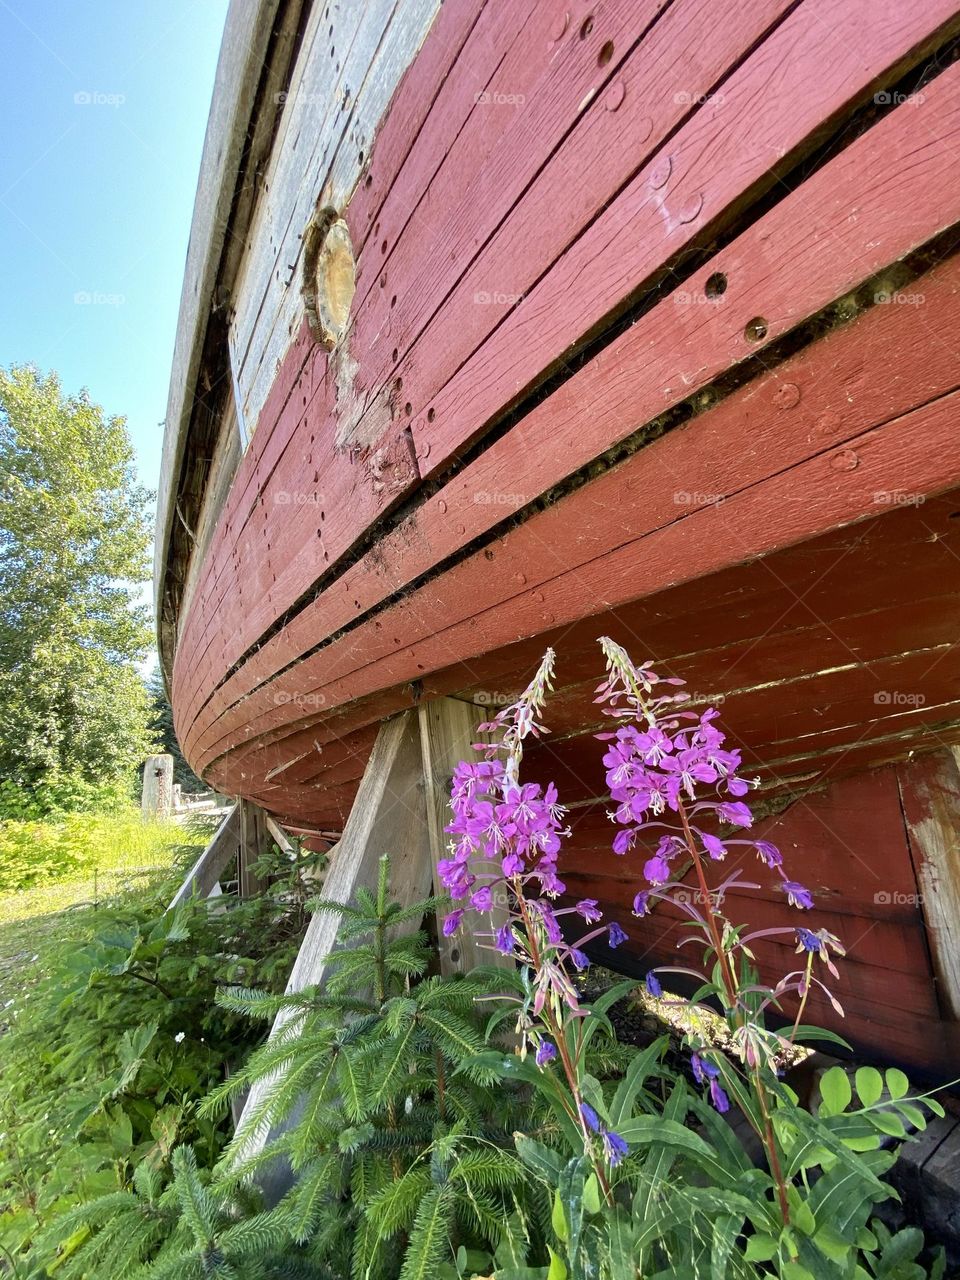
(156, 799)
(448, 730)
(204, 875)
(254, 839)
(930, 797)
(387, 817)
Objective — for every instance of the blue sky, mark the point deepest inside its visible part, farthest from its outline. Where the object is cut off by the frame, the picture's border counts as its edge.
(103, 107)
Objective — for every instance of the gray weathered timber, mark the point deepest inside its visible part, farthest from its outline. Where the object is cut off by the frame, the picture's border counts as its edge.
(205, 872)
(387, 818)
(448, 730)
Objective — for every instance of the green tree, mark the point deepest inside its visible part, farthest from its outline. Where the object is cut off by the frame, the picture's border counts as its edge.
(161, 725)
(74, 539)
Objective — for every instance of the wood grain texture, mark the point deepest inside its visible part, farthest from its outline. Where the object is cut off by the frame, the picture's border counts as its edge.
(930, 794)
(639, 375)
(388, 818)
(448, 731)
(205, 872)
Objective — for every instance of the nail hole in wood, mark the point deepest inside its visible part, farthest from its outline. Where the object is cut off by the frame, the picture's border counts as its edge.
(756, 329)
(716, 285)
(605, 54)
(431, 414)
(587, 27)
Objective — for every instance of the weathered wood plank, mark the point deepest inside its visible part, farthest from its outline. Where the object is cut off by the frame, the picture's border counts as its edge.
(337, 122)
(206, 871)
(448, 730)
(702, 628)
(253, 842)
(759, 427)
(930, 792)
(421, 631)
(243, 52)
(846, 250)
(740, 143)
(388, 818)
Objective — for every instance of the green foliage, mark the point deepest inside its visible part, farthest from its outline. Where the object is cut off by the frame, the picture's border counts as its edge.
(688, 1200)
(38, 852)
(419, 1149)
(106, 1060)
(161, 726)
(399, 1141)
(74, 537)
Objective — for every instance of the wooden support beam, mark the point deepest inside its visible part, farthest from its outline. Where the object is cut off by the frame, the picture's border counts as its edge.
(387, 817)
(448, 730)
(930, 798)
(254, 838)
(204, 875)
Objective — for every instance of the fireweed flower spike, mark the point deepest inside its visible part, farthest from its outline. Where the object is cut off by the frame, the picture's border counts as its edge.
(678, 798)
(505, 841)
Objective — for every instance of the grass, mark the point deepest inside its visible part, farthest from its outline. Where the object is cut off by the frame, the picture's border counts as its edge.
(117, 850)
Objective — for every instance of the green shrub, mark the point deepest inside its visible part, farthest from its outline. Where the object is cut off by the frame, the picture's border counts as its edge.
(105, 1060)
(35, 853)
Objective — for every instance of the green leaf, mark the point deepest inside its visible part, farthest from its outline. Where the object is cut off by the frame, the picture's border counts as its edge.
(558, 1219)
(835, 1092)
(558, 1269)
(897, 1083)
(888, 1123)
(869, 1085)
(831, 1243)
(761, 1248)
(591, 1195)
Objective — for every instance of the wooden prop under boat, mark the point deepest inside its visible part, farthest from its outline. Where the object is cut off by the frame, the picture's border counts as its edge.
(515, 324)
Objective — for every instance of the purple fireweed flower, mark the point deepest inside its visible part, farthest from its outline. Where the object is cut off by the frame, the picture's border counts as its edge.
(714, 847)
(820, 944)
(735, 811)
(614, 1147)
(624, 840)
(652, 983)
(615, 935)
(505, 940)
(718, 1097)
(452, 923)
(641, 903)
(589, 909)
(550, 923)
(482, 900)
(769, 853)
(656, 870)
(546, 1052)
(590, 1117)
(580, 959)
(703, 1069)
(797, 895)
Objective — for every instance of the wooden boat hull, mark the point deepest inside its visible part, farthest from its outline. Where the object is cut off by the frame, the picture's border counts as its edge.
(556, 332)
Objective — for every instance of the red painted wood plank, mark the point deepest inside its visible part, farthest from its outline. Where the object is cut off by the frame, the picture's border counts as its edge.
(912, 553)
(752, 523)
(556, 428)
(723, 153)
(547, 89)
(565, 73)
(759, 427)
(465, 36)
(259, 585)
